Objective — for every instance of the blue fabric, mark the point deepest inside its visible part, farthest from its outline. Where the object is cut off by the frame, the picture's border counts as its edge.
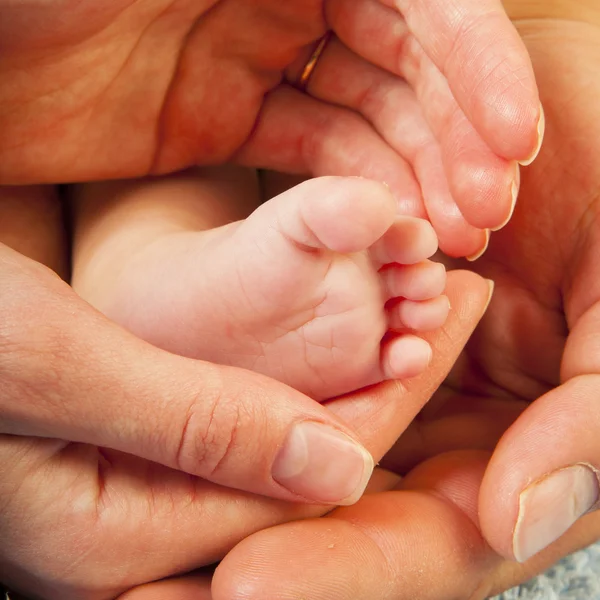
(577, 577)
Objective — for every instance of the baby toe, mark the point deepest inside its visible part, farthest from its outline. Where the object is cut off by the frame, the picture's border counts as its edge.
(341, 214)
(422, 281)
(409, 240)
(419, 316)
(404, 356)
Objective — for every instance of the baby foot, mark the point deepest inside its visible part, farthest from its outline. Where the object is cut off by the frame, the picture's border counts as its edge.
(321, 288)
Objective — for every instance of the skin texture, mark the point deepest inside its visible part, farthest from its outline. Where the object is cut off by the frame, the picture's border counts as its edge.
(118, 520)
(536, 335)
(250, 44)
(229, 295)
(115, 89)
(444, 491)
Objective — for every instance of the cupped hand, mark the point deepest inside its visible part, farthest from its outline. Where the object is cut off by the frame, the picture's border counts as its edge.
(117, 505)
(437, 100)
(545, 472)
(537, 351)
(527, 382)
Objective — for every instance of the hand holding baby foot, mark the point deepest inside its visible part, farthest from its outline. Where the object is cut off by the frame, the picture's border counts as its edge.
(321, 287)
(121, 520)
(452, 115)
(125, 89)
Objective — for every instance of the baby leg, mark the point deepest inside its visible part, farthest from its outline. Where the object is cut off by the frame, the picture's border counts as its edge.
(116, 221)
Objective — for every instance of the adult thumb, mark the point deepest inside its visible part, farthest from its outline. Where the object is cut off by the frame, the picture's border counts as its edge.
(545, 472)
(67, 372)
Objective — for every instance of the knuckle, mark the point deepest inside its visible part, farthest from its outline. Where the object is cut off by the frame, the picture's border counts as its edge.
(211, 432)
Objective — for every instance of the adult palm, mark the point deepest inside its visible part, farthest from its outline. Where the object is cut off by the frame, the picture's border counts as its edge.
(123, 88)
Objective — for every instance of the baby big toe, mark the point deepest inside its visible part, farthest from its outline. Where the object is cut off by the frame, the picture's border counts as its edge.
(426, 315)
(342, 214)
(404, 356)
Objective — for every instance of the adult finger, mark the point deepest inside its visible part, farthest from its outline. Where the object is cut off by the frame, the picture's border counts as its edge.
(483, 183)
(487, 68)
(478, 52)
(510, 573)
(298, 134)
(188, 587)
(382, 413)
(545, 473)
(419, 541)
(390, 105)
(395, 544)
(67, 372)
(132, 520)
(456, 476)
(108, 480)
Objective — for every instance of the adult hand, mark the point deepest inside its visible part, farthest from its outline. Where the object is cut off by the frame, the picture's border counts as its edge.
(544, 474)
(67, 372)
(528, 376)
(115, 506)
(117, 88)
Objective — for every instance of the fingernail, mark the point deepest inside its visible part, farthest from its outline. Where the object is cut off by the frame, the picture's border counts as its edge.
(551, 505)
(492, 284)
(514, 193)
(323, 464)
(481, 252)
(541, 129)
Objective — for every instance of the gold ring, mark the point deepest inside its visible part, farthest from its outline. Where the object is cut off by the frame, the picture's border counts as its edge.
(310, 66)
